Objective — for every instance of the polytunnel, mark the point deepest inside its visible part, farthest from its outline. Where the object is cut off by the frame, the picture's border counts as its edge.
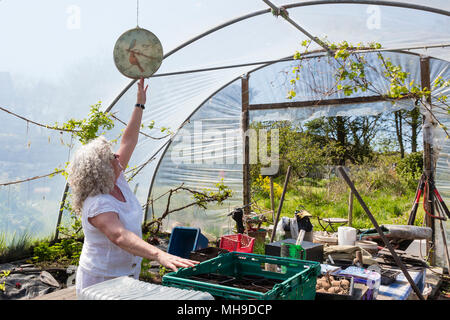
(218, 56)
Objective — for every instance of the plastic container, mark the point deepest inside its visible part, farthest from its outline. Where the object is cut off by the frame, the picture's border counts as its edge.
(126, 288)
(292, 251)
(259, 235)
(183, 240)
(346, 236)
(370, 278)
(206, 253)
(237, 242)
(313, 251)
(298, 282)
(373, 282)
(335, 296)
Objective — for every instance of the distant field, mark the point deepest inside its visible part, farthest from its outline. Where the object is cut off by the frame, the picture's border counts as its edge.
(387, 207)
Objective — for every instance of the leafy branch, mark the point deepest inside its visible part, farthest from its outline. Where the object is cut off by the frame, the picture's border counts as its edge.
(199, 198)
(351, 77)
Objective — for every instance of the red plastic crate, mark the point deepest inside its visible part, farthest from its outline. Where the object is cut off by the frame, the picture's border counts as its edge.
(237, 242)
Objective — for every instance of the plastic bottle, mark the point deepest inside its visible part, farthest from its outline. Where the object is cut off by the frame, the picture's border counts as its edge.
(373, 283)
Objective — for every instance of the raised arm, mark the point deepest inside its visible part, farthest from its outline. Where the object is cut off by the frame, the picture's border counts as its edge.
(131, 134)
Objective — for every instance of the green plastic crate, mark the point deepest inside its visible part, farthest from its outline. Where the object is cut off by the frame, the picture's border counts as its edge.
(298, 277)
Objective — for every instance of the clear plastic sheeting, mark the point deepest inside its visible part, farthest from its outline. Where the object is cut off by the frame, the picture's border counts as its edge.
(317, 78)
(58, 62)
(256, 39)
(30, 207)
(172, 99)
(441, 151)
(209, 146)
(363, 21)
(271, 85)
(206, 151)
(127, 288)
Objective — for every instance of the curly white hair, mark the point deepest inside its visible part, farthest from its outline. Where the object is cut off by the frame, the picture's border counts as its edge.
(90, 171)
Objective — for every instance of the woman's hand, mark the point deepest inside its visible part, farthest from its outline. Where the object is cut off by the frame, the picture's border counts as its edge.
(174, 262)
(110, 225)
(142, 93)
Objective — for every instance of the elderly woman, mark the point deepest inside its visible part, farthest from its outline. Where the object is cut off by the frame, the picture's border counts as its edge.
(110, 213)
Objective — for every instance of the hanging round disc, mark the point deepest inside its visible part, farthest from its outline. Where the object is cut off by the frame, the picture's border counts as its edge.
(138, 53)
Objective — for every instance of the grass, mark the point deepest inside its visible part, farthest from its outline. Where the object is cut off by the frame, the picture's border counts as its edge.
(387, 206)
(259, 247)
(19, 247)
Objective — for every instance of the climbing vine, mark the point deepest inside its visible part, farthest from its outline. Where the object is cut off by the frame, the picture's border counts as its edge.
(350, 74)
(199, 199)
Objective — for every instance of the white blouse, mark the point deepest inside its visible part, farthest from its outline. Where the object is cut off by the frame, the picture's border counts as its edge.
(99, 256)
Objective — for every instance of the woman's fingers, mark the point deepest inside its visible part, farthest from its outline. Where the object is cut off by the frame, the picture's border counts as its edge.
(172, 266)
(173, 262)
(185, 263)
(193, 261)
(141, 84)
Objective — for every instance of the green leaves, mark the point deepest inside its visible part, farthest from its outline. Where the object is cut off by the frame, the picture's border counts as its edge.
(306, 43)
(207, 195)
(88, 129)
(291, 94)
(4, 274)
(67, 249)
(441, 83)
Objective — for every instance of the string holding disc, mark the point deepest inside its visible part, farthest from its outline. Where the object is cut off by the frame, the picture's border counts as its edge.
(138, 53)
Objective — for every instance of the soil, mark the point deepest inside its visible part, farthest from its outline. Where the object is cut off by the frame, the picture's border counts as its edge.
(23, 281)
(247, 282)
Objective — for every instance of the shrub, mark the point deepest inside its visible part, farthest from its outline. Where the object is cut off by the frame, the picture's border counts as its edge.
(410, 169)
(262, 186)
(68, 249)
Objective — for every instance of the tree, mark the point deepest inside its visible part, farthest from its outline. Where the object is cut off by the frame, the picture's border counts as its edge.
(353, 135)
(308, 153)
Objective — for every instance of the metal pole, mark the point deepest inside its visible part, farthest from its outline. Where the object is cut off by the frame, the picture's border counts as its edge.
(286, 17)
(371, 2)
(281, 203)
(397, 260)
(61, 210)
(309, 55)
(444, 241)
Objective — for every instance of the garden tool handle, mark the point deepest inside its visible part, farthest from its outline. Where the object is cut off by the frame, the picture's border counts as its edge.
(359, 257)
(301, 235)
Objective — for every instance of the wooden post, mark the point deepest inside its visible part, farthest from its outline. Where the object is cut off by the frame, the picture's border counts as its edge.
(428, 167)
(350, 208)
(272, 200)
(280, 205)
(245, 147)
